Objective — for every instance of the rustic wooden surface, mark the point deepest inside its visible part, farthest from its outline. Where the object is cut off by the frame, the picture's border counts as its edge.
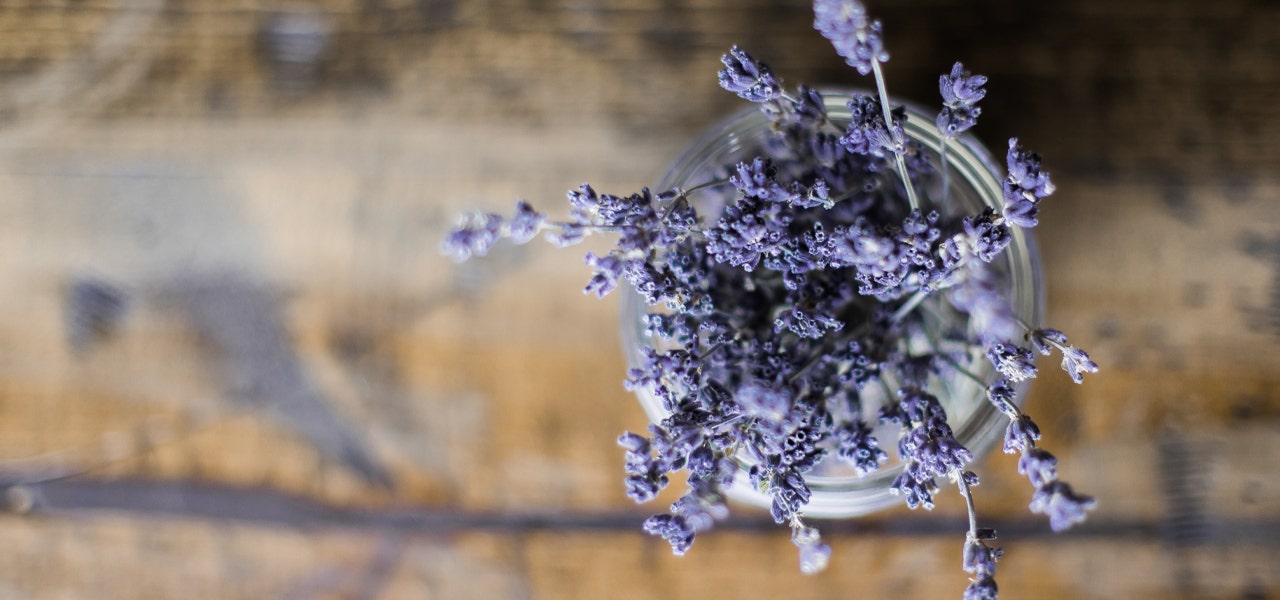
(299, 161)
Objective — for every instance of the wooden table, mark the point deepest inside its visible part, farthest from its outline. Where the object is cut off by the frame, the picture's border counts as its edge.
(264, 187)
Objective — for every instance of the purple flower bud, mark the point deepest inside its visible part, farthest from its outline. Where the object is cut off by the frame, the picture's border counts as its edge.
(1025, 186)
(867, 132)
(814, 557)
(790, 494)
(474, 235)
(1039, 466)
(981, 295)
(809, 109)
(643, 489)
(568, 235)
(584, 198)
(757, 179)
(811, 325)
(933, 450)
(855, 37)
(1076, 363)
(607, 271)
(1013, 361)
(982, 589)
(919, 405)
(748, 78)
(859, 448)
(1025, 173)
(959, 88)
(526, 223)
(819, 194)
(634, 443)
(1063, 506)
(1020, 435)
(763, 401)
(953, 121)
(979, 558)
(672, 528)
(1001, 394)
(702, 461)
(1021, 212)
(986, 237)
(1044, 340)
(915, 493)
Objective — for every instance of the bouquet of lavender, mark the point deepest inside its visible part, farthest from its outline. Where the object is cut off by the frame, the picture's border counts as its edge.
(799, 298)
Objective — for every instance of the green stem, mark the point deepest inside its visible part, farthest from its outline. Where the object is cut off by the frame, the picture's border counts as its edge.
(968, 502)
(888, 121)
(946, 171)
(705, 185)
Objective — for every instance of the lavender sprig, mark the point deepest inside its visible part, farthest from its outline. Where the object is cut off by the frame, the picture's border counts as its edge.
(860, 40)
(961, 92)
(978, 558)
(854, 35)
(1025, 186)
(748, 78)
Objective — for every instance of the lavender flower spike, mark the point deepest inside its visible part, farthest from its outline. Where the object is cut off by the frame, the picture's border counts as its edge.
(960, 95)
(855, 36)
(1025, 186)
(1040, 467)
(526, 223)
(1060, 503)
(1013, 361)
(961, 88)
(748, 78)
(475, 235)
(814, 554)
(1076, 363)
(982, 589)
(672, 528)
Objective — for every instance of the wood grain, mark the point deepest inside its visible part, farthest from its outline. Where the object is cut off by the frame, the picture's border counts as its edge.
(150, 144)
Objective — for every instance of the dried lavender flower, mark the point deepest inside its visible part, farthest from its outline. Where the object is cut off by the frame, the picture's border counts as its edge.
(1076, 363)
(982, 589)
(1045, 340)
(961, 92)
(854, 35)
(672, 528)
(748, 78)
(1061, 504)
(525, 224)
(915, 493)
(960, 87)
(1013, 361)
(475, 235)
(814, 554)
(1001, 396)
(868, 133)
(859, 448)
(1039, 466)
(979, 558)
(1020, 435)
(1025, 186)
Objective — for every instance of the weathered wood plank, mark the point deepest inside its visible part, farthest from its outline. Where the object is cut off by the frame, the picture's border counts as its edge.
(147, 143)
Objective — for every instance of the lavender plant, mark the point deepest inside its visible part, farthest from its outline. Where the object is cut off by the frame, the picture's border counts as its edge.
(788, 290)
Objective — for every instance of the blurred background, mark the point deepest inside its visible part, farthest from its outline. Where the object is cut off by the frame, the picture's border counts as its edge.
(233, 363)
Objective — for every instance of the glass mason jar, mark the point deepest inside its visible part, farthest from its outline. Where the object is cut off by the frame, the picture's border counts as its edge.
(974, 179)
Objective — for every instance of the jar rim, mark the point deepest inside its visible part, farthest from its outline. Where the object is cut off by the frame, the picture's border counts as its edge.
(847, 496)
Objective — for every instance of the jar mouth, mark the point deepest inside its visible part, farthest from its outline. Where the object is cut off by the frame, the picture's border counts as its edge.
(974, 183)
